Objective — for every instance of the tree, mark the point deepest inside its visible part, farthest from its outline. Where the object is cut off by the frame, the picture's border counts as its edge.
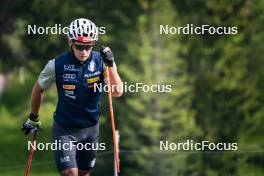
(154, 59)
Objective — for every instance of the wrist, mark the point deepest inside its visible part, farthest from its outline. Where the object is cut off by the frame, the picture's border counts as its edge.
(33, 117)
(113, 67)
(111, 64)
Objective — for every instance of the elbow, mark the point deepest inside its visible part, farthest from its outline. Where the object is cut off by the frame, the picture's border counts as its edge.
(38, 88)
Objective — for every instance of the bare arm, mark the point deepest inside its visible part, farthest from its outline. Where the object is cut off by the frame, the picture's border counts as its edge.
(36, 98)
(46, 77)
(32, 124)
(115, 81)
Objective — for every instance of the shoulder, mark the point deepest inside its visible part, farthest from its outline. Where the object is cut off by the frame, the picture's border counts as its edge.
(63, 56)
(50, 63)
(49, 67)
(96, 60)
(96, 55)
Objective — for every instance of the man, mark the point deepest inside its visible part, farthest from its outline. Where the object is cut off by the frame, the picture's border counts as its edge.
(77, 113)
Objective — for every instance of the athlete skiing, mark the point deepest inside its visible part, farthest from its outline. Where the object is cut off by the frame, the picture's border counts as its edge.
(76, 119)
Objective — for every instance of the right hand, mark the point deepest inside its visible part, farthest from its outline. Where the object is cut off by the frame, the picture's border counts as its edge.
(107, 56)
(31, 125)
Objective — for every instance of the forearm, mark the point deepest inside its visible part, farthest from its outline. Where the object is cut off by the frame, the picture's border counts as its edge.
(115, 82)
(36, 98)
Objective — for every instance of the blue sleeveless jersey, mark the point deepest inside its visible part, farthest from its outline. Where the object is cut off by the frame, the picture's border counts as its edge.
(78, 103)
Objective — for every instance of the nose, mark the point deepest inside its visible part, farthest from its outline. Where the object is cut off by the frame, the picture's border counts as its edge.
(83, 51)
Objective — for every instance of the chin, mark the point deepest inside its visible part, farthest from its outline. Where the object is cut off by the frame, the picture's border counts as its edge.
(83, 58)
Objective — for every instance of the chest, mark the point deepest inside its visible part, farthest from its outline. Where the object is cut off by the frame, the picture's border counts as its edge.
(79, 79)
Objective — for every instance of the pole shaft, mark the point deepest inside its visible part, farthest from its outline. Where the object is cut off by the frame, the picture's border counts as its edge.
(117, 143)
(31, 153)
(112, 121)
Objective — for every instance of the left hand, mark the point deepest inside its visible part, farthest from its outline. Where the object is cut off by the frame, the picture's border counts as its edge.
(31, 125)
(107, 56)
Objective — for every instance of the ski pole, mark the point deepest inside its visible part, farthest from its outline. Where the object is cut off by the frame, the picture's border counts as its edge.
(31, 153)
(111, 112)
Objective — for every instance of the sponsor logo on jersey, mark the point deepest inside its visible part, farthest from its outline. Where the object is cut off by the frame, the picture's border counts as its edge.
(70, 68)
(70, 96)
(69, 76)
(92, 74)
(69, 92)
(68, 86)
(92, 85)
(92, 80)
(92, 66)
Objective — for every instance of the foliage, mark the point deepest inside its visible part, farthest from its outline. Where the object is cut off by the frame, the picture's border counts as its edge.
(216, 81)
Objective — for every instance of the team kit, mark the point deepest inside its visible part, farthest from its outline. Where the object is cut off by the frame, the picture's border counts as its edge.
(75, 130)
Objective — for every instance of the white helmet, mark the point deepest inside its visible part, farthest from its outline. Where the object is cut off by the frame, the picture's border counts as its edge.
(83, 30)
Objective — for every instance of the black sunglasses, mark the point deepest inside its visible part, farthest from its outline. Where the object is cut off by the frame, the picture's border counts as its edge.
(82, 47)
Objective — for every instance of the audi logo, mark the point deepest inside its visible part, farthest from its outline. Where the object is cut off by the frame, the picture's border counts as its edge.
(69, 76)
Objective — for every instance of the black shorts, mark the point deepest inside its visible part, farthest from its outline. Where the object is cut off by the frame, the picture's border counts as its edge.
(76, 147)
